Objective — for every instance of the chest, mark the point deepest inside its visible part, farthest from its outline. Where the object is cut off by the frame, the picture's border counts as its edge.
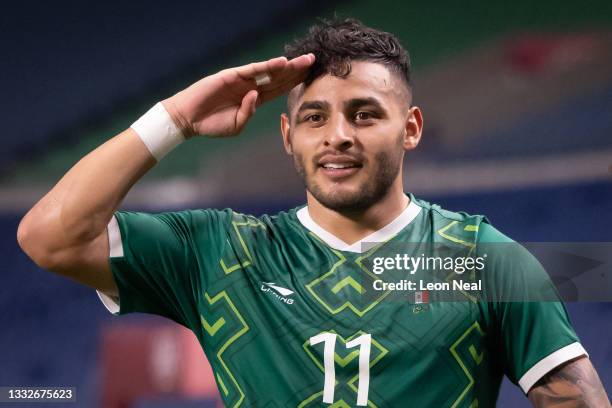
(288, 322)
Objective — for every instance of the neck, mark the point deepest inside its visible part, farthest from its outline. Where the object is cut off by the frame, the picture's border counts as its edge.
(351, 226)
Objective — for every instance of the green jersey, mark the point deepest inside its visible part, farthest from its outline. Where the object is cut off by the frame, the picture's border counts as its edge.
(289, 315)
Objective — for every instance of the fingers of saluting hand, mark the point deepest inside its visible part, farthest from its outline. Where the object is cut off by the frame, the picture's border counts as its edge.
(252, 70)
(283, 74)
(274, 66)
(302, 62)
(280, 83)
(246, 110)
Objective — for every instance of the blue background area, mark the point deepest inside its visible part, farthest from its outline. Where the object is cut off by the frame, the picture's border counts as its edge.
(67, 62)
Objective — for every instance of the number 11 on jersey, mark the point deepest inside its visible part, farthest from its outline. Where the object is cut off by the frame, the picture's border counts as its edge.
(329, 349)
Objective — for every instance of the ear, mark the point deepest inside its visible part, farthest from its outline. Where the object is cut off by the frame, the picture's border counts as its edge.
(286, 132)
(413, 128)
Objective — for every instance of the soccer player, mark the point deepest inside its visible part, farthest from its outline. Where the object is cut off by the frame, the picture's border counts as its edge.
(285, 306)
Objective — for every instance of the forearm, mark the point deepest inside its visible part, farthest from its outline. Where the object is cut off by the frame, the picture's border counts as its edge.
(91, 191)
(80, 205)
(572, 385)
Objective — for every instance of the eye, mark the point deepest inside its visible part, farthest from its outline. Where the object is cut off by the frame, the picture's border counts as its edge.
(363, 115)
(315, 118)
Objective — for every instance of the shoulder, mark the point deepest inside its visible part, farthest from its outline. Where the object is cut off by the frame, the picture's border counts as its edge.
(459, 224)
(438, 213)
(206, 218)
(282, 222)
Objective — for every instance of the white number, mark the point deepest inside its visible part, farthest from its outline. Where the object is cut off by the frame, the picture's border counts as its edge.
(328, 363)
(364, 342)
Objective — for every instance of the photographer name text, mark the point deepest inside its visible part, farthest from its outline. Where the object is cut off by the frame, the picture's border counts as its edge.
(410, 285)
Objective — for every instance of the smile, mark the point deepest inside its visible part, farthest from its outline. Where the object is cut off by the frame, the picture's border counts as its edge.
(336, 171)
(340, 165)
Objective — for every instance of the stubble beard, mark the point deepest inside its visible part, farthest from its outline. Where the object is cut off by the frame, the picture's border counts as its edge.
(371, 191)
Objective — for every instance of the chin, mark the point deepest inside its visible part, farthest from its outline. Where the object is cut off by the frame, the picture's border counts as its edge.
(343, 199)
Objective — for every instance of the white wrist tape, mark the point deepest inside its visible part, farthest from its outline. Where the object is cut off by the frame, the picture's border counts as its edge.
(158, 132)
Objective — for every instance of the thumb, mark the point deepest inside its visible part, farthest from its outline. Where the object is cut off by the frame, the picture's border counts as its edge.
(247, 109)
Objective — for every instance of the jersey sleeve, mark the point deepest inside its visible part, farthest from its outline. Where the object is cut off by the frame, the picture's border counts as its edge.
(158, 261)
(532, 328)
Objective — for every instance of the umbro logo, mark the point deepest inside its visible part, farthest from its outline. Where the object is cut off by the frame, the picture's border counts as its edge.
(278, 291)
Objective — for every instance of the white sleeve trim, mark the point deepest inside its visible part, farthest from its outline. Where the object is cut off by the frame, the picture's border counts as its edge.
(114, 239)
(111, 303)
(549, 362)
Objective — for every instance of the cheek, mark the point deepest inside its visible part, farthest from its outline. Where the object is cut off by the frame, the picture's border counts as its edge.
(386, 139)
(303, 145)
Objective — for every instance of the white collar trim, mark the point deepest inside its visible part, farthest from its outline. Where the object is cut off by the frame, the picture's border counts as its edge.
(384, 234)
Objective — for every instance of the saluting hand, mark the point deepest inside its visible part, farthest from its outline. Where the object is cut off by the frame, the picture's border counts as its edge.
(222, 103)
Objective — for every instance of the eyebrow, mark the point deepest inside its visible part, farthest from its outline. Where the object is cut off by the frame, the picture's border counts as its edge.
(359, 102)
(313, 105)
(351, 104)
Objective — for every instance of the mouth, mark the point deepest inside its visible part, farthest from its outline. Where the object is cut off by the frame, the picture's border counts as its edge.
(336, 168)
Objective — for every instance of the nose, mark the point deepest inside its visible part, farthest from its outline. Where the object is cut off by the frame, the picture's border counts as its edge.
(340, 135)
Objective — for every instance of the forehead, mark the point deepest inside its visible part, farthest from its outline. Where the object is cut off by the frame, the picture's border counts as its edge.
(366, 79)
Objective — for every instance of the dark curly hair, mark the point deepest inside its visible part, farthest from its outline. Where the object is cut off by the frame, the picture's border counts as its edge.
(335, 43)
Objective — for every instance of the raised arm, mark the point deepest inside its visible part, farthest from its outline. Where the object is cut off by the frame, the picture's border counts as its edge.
(572, 385)
(65, 232)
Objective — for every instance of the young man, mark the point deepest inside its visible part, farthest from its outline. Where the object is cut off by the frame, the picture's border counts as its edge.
(288, 308)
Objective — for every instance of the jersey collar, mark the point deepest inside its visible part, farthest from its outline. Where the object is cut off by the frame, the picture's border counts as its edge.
(384, 234)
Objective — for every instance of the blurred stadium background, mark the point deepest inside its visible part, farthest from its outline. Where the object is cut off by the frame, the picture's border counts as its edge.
(517, 99)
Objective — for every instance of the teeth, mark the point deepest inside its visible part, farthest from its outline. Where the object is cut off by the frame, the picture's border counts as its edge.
(337, 165)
